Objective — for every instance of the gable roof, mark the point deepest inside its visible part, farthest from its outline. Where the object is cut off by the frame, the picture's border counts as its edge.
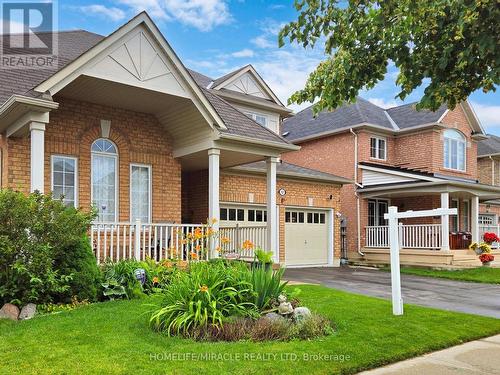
(489, 146)
(406, 116)
(74, 44)
(284, 169)
(304, 125)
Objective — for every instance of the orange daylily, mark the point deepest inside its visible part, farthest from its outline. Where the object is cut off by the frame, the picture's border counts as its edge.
(204, 289)
(247, 245)
(198, 247)
(194, 255)
(155, 280)
(225, 240)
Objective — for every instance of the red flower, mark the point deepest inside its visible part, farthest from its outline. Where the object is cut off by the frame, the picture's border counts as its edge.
(484, 258)
(489, 238)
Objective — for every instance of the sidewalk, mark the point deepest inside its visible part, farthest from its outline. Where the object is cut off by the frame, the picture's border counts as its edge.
(481, 357)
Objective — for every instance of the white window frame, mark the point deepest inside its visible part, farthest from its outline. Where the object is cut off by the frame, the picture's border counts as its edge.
(253, 116)
(378, 148)
(487, 216)
(455, 218)
(150, 188)
(75, 159)
(117, 177)
(450, 140)
(466, 216)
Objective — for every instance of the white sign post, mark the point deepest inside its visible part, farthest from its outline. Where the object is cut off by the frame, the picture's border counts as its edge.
(393, 217)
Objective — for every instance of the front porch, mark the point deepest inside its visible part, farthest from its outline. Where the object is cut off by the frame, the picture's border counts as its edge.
(435, 241)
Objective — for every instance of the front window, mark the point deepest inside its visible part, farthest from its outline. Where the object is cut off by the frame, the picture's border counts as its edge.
(376, 210)
(454, 150)
(454, 218)
(258, 118)
(105, 179)
(140, 193)
(466, 213)
(64, 177)
(378, 148)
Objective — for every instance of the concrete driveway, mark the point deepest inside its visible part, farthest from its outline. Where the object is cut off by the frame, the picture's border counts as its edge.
(473, 298)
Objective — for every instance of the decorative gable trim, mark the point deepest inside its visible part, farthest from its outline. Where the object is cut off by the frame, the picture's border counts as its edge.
(381, 176)
(471, 116)
(248, 81)
(114, 52)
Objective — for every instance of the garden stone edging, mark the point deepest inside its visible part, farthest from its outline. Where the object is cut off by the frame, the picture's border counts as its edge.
(28, 312)
(9, 311)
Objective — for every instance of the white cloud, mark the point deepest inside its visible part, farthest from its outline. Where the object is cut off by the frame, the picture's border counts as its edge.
(383, 103)
(201, 14)
(489, 115)
(262, 41)
(243, 53)
(114, 14)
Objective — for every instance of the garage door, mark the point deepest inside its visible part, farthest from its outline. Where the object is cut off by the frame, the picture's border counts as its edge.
(306, 237)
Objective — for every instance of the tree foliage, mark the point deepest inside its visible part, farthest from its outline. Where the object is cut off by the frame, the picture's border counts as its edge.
(451, 46)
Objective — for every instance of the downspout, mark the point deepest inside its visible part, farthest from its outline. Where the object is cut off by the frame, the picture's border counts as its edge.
(358, 210)
(492, 171)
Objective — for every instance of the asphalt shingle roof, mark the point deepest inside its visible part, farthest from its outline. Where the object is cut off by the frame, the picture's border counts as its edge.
(489, 146)
(406, 116)
(304, 125)
(288, 169)
(73, 44)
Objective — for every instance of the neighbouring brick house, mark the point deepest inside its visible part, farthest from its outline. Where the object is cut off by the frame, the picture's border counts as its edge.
(122, 125)
(402, 157)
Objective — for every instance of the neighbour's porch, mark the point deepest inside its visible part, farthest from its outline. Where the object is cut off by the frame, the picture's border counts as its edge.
(441, 240)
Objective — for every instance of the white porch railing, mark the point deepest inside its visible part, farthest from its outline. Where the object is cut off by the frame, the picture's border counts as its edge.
(233, 238)
(418, 236)
(118, 241)
(490, 229)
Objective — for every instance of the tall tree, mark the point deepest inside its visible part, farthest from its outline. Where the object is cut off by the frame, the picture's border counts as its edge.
(451, 46)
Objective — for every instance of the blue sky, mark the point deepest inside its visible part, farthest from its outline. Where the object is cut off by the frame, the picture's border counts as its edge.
(217, 36)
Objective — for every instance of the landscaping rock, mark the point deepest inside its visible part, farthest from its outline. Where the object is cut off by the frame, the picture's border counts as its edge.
(281, 298)
(285, 308)
(28, 311)
(301, 313)
(9, 311)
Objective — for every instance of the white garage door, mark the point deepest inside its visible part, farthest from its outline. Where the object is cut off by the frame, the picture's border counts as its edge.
(306, 237)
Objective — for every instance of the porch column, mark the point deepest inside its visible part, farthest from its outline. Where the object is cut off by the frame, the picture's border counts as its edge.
(37, 161)
(445, 223)
(475, 218)
(272, 214)
(213, 195)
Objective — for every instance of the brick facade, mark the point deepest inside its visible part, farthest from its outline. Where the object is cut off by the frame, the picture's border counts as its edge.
(420, 150)
(236, 188)
(139, 138)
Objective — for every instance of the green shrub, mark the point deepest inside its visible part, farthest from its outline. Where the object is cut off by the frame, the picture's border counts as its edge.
(122, 274)
(38, 238)
(267, 285)
(205, 296)
(264, 257)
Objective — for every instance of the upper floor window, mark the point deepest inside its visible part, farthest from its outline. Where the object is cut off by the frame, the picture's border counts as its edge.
(258, 118)
(454, 150)
(378, 148)
(105, 179)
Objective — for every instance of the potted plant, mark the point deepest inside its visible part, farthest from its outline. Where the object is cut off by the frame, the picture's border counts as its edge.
(489, 238)
(486, 259)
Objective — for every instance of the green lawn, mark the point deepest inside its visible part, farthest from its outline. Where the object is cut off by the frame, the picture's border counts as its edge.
(480, 275)
(114, 337)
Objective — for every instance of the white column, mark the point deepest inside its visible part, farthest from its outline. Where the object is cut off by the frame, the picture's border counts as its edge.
(272, 214)
(37, 133)
(474, 220)
(445, 223)
(213, 195)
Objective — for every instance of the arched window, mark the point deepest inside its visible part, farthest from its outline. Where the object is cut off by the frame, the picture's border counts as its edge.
(454, 150)
(105, 179)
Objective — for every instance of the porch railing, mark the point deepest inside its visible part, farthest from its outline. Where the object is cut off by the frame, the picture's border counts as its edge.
(232, 239)
(118, 241)
(418, 236)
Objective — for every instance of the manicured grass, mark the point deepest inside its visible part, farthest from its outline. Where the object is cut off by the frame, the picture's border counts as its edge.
(480, 275)
(114, 338)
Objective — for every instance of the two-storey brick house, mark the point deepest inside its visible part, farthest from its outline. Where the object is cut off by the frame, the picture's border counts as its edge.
(402, 157)
(121, 124)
